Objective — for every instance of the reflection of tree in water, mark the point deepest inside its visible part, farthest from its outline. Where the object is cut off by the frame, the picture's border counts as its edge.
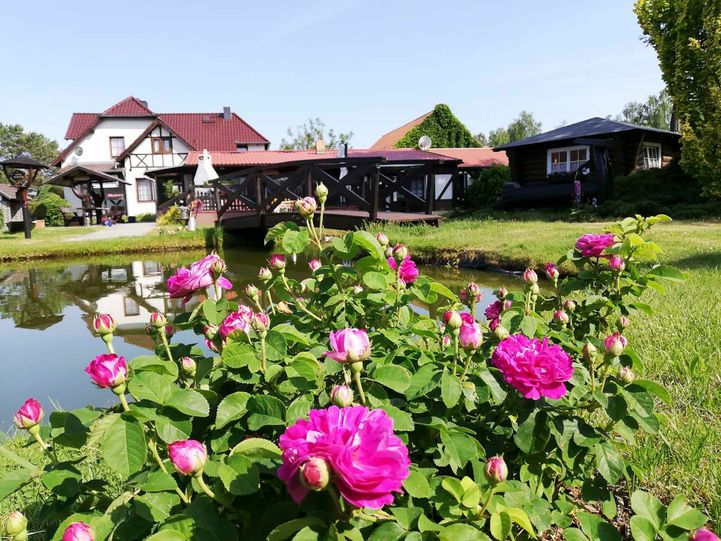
(33, 298)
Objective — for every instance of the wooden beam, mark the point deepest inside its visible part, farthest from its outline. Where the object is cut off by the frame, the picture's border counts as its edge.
(430, 192)
(375, 189)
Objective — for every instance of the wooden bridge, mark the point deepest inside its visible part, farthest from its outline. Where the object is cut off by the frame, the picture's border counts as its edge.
(360, 189)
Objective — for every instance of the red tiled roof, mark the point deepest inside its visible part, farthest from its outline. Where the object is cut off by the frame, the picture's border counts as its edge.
(130, 106)
(474, 157)
(210, 131)
(392, 137)
(80, 124)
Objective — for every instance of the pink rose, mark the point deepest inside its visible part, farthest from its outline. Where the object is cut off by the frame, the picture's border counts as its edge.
(108, 370)
(314, 265)
(79, 531)
(188, 456)
(452, 319)
(494, 310)
(408, 272)
(29, 415)
(533, 367)
(470, 335)
(239, 321)
(446, 341)
(591, 245)
(616, 263)
(349, 345)
(277, 262)
(496, 470)
(552, 271)
(103, 324)
(199, 275)
(559, 316)
(615, 343)
(703, 534)
(368, 462)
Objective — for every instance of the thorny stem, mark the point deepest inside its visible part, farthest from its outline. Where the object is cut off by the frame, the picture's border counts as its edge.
(466, 367)
(488, 500)
(35, 431)
(456, 350)
(164, 339)
(359, 386)
(270, 301)
(311, 227)
(320, 222)
(262, 353)
(206, 488)
(297, 301)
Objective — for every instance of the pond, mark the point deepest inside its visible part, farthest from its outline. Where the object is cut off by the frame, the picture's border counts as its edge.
(46, 313)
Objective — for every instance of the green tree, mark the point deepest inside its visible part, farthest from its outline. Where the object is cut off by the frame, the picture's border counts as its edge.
(525, 125)
(444, 129)
(655, 112)
(15, 140)
(304, 137)
(686, 35)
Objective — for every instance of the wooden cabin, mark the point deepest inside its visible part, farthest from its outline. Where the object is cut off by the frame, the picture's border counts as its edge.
(594, 151)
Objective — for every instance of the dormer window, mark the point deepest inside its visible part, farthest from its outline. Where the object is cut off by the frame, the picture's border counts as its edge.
(241, 148)
(161, 145)
(117, 146)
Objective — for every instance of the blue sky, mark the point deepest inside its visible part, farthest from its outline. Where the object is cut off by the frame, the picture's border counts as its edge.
(361, 65)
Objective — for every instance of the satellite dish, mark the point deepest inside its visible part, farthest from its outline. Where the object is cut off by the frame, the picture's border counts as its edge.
(424, 143)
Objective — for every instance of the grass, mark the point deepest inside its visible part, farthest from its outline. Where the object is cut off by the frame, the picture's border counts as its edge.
(680, 344)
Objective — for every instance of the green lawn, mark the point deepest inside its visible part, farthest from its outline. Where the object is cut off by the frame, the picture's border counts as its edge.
(680, 344)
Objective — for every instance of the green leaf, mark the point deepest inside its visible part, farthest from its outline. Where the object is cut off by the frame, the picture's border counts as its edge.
(292, 334)
(451, 389)
(215, 312)
(240, 476)
(290, 528)
(388, 531)
(151, 386)
(257, 447)
(529, 325)
(668, 273)
(232, 408)
(392, 376)
(654, 388)
(423, 381)
(461, 448)
(596, 528)
(363, 239)
(155, 507)
(239, 355)
(461, 532)
(454, 487)
(189, 402)
(681, 515)
(295, 242)
(642, 529)
(264, 411)
(159, 481)
(168, 535)
(649, 507)
(520, 517)
(64, 480)
(500, 525)
(609, 462)
(375, 280)
(402, 420)
(439, 288)
(153, 363)
(173, 429)
(533, 433)
(417, 485)
(278, 230)
(276, 346)
(13, 481)
(124, 448)
(499, 394)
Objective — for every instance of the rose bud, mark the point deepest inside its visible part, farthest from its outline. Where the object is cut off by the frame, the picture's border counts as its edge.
(251, 291)
(158, 320)
(314, 474)
(103, 324)
(530, 276)
(358, 289)
(615, 344)
(264, 274)
(341, 396)
(474, 292)
(29, 415)
(382, 239)
(108, 370)
(79, 531)
(210, 330)
(589, 351)
(169, 331)
(569, 305)
(470, 336)
(314, 265)
(507, 304)
(496, 470)
(349, 345)
(219, 267)
(446, 341)
(616, 263)
(452, 319)
(625, 374)
(283, 308)
(188, 366)
(552, 271)
(500, 332)
(277, 262)
(306, 207)
(703, 534)
(188, 456)
(212, 346)
(321, 192)
(623, 322)
(535, 289)
(260, 322)
(400, 252)
(463, 295)
(15, 525)
(559, 316)
(501, 293)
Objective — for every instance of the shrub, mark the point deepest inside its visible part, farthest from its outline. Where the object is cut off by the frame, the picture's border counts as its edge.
(171, 216)
(145, 217)
(49, 206)
(486, 188)
(332, 409)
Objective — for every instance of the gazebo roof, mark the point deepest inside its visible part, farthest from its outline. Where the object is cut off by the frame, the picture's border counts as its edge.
(23, 162)
(66, 177)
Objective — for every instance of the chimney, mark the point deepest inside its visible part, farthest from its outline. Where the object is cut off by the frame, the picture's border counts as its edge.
(145, 103)
(319, 146)
(226, 113)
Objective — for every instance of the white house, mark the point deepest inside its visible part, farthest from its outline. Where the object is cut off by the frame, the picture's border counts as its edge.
(112, 152)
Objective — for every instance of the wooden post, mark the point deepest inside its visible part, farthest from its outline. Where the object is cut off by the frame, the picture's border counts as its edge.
(373, 200)
(430, 192)
(216, 194)
(308, 182)
(258, 192)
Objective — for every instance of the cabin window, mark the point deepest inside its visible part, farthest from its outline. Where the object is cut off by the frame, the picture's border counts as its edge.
(241, 148)
(567, 159)
(161, 145)
(146, 190)
(117, 146)
(651, 155)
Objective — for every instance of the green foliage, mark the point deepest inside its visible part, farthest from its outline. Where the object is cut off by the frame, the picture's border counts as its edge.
(520, 128)
(306, 135)
(172, 216)
(49, 206)
(655, 112)
(145, 217)
(444, 129)
(15, 140)
(486, 188)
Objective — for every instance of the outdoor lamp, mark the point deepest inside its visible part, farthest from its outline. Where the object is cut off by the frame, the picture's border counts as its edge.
(21, 172)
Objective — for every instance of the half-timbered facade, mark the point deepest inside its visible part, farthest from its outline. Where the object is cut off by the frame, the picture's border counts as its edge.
(129, 140)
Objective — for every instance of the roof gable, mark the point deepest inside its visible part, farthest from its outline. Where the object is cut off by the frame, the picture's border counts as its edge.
(389, 140)
(130, 106)
(80, 124)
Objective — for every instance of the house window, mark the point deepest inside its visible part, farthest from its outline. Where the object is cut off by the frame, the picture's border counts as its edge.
(651, 155)
(130, 307)
(161, 145)
(117, 146)
(146, 190)
(567, 159)
(241, 148)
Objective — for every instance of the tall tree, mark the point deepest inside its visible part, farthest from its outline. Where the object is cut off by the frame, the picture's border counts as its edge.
(655, 112)
(15, 140)
(687, 37)
(525, 125)
(305, 136)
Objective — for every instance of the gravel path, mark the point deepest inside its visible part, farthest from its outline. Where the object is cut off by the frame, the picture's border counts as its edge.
(117, 231)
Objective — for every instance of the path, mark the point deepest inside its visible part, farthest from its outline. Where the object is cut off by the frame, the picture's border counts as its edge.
(117, 231)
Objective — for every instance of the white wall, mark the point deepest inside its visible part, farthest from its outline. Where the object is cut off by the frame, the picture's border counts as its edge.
(96, 144)
(440, 183)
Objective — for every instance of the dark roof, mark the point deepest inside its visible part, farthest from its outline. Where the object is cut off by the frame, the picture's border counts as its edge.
(585, 128)
(23, 161)
(92, 170)
(8, 192)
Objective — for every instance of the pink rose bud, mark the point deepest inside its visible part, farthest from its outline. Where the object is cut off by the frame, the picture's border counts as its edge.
(349, 345)
(502, 293)
(552, 271)
(470, 336)
(507, 304)
(169, 331)
(341, 396)
(321, 192)
(623, 322)
(452, 319)
(382, 239)
(616, 263)
(16, 524)
(559, 316)
(188, 366)
(473, 292)
(29, 415)
(703, 534)
(212, 346)
(400, 252)
(108, 370)
(188, 456)
(589, 351)
(251, 291)
(315, 474)
(569, 305)
(261, 321)
(388, 252)
(219, 267)
(446, 340)
(500, 332)
(314, 265)
(463, 295)
(277, 262)
(496, 470)
(264, 274)
(530, 276)
(79, 531)
(358, 289)
(209, 331)
(306, 207)
(615, 344)
(158, 320)
(625, 374)
(103, 324)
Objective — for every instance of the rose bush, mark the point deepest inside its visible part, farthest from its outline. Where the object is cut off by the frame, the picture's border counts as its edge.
(367, 402)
